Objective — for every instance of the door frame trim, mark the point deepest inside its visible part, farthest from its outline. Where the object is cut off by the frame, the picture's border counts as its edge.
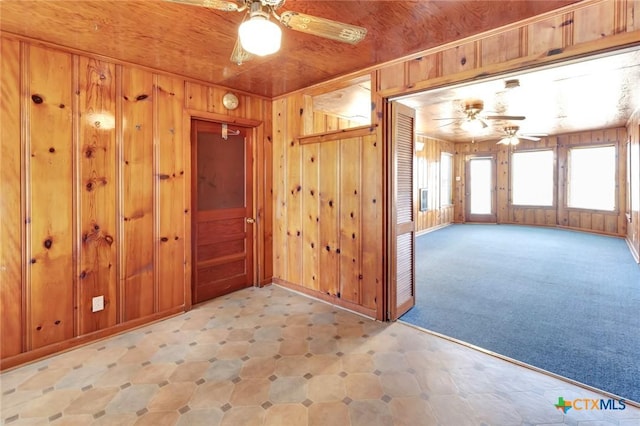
(254, 128)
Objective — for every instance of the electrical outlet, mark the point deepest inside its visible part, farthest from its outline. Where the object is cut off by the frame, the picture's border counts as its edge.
(97, 304)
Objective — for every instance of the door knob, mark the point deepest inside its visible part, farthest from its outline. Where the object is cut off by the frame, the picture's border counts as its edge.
(251, 220)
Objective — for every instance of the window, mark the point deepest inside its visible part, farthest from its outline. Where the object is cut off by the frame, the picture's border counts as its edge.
(446, 172)
(532, 178)
(592, 178)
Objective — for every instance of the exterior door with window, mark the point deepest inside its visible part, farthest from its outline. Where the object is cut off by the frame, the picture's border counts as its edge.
(222, 225)
(481, 188)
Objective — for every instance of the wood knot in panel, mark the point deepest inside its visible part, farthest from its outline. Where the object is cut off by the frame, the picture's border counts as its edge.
(61, 106)
(142, 97)
(57, 322)
(37, 99)
(52, 150)
(39, 328)
(164, 239)
(48, 243)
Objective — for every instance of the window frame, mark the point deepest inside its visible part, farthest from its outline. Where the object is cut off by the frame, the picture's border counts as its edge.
(567, 177)
(554, 179)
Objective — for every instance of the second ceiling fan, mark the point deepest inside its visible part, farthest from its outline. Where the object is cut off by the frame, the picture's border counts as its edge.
(258, 35)
(474, 121)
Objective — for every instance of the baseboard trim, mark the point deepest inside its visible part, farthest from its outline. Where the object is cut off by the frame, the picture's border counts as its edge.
(34, 355)
(522, 364)
(433, 228)
(632, 249)
(327, 298)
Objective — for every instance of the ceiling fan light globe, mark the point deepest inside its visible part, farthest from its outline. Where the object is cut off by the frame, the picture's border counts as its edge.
(260, 36)
(473, 126)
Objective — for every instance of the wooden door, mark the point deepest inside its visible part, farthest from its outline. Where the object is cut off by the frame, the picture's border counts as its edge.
(481, 188)
(222, 204)
(401, 247)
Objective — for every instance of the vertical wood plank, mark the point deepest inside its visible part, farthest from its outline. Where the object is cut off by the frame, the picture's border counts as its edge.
(97, 158)
(545, 35)
(424, 68)
(137, 193)
(268, 189)
(501, 47)
(310, 218)
(294, 191)
(350, 211)
(172, 187)
(197, 96)
(50, 183)
(11, 225)
(594, 22)
(280, 192)
(459, 58)
(329, 237)
(372, 220)
(392, 77)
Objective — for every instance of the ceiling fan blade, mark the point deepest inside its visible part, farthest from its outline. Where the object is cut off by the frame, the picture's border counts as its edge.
(239, 55)
(531, 138)
(504, 117)
(322, 27)
(227, 6)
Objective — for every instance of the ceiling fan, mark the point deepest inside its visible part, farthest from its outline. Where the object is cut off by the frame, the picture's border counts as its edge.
(512, 137)
(473, 121)
(257, 35)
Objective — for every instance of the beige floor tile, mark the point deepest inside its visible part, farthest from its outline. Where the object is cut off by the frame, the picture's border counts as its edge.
(92, 401)
(363, 386)
(326, 388)
(50, 404)
(258, 368)
(325, 364)
(211, 395)
(207, 416)
(250, 392)
(153, 373)
(411, 411)
(286, 414)
(287, 390)
(162, 418)
(329, 413)
(399, 384)
(189, 371)
(172, 397)
(245, 416)
(370, 412)
(44, 379)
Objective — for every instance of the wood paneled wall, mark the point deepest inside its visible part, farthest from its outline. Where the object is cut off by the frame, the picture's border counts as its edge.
(613, 223)
(582, 28)
(427, 171)
(96, 194)
(633, 184)
(328, 208)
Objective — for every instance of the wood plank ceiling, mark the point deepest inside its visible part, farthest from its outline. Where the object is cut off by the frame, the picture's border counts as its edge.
(197, 42)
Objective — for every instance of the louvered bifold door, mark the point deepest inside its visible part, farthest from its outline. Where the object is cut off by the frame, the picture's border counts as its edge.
(401, 232)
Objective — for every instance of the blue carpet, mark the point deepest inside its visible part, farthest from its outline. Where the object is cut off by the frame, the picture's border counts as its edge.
(567, 302)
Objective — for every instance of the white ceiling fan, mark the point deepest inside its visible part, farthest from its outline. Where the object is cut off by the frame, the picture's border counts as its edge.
(512, 137)
(473, 121)
(258, 35)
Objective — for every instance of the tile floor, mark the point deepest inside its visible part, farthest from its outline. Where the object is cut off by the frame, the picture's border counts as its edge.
(273, 357)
